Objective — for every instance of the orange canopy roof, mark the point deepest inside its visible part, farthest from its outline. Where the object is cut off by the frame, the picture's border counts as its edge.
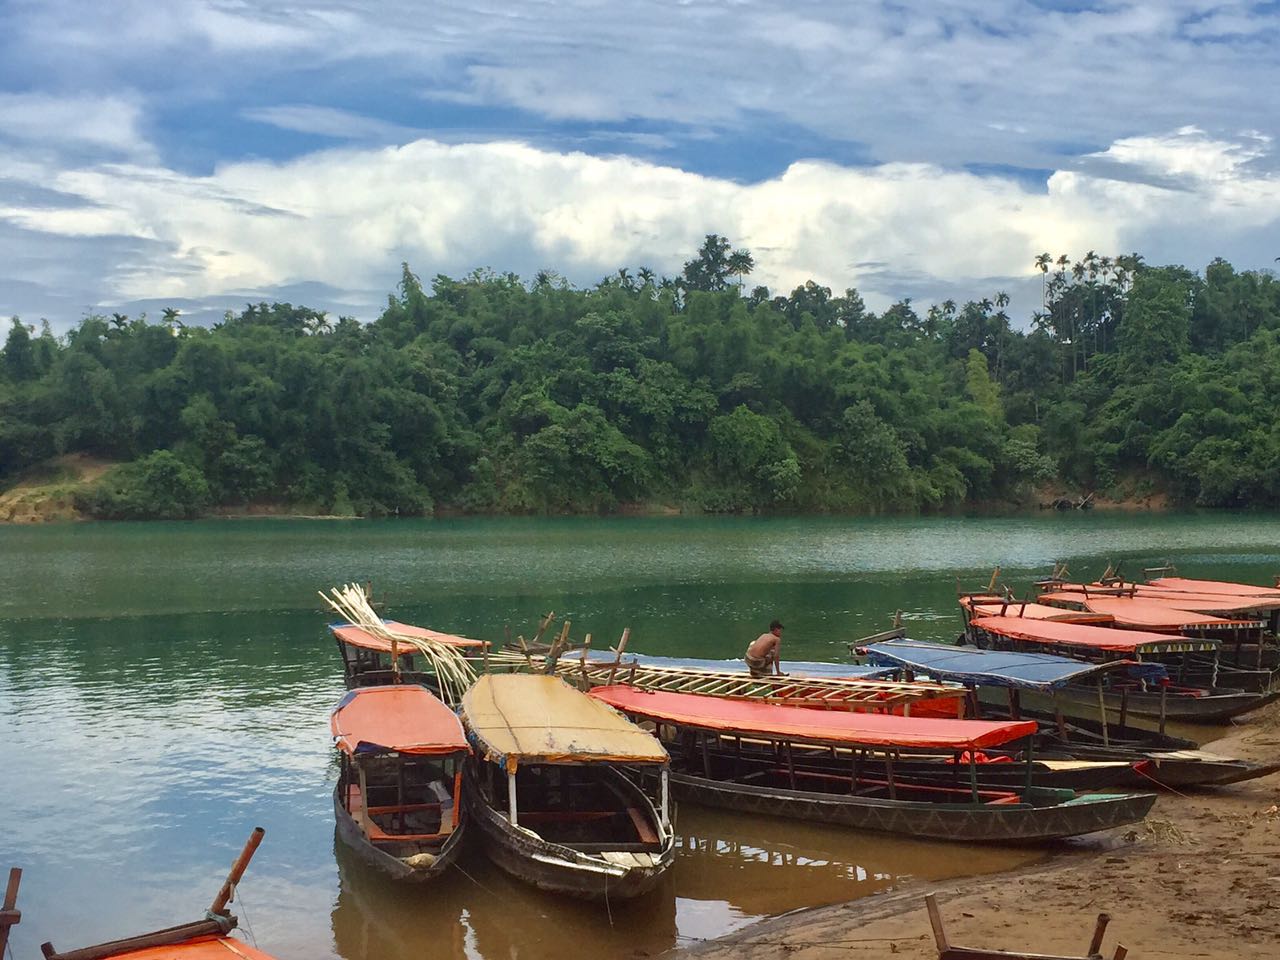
(981, 607)
(359, 637)
(1160, 616)
(1188, 585)
(199, 948)
(1078, 635)
(1219, 603)
(803, 723)
(404, 718)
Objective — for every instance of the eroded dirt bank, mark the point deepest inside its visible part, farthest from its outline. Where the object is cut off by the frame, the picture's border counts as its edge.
(1201, 879)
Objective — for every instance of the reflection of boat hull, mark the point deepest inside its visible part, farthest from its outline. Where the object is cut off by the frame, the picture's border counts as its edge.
(561, 869)
(1005, 823)
(395, 867)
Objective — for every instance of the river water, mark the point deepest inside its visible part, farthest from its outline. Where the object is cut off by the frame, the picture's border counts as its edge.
(166, 687)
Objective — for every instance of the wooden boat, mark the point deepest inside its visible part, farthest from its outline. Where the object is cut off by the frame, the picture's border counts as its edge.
(797, 762)
(1125, 755)
(397, 802)
(1192, 694)
(1248, 647)
(950, 951)
(369, 660)
(548, 795)
(207, 939)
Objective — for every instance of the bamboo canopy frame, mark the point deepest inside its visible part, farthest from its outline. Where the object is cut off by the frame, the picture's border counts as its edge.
(830, 693)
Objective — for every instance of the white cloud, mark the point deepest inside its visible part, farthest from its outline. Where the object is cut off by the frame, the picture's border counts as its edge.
(331, 122)
(347, 217)
(914, 80)
(110, 123)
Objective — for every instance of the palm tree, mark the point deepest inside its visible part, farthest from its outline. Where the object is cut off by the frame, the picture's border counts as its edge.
(739, 264)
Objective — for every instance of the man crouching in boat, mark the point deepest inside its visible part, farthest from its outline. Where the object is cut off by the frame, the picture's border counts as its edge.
(765, 652)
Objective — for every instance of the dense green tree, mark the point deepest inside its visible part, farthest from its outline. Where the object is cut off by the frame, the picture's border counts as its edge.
(484, 393)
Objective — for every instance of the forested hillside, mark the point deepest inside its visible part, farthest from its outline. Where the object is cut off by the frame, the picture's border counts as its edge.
(490, 394)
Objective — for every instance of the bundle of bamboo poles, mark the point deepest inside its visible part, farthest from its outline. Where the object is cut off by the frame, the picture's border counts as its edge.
(451, 668)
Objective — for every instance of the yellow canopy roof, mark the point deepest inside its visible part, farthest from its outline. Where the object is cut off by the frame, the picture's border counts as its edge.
(529, 718)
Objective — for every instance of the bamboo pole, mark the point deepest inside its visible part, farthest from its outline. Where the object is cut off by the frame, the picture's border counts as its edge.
(622, 646)
(237, 871)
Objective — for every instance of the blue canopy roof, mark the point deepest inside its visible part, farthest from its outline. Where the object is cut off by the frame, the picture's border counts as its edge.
(990, 668)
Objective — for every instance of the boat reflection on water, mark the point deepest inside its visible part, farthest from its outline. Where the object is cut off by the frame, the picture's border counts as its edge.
(730, 870)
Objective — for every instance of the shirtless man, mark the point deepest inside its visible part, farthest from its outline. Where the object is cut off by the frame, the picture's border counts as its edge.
(764, 653)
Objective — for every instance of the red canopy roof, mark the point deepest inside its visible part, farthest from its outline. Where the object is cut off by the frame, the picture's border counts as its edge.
(1226, 587)
(403, 718)
(1218, 603)
(983, 607)
(1053, 633)
(359, 637)
(803, 723)
(1146, 612)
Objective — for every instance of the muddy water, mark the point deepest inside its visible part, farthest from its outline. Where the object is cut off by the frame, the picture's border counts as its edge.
(164, 688)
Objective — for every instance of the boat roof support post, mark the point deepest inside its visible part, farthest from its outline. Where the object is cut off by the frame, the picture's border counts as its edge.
(664, 797)
(1031, 756)
(1164, 704)
(1102, 714)
(511, 797)
(973, 774)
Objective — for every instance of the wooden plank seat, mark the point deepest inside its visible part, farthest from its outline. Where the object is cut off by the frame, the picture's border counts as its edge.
(375, 833)
(644, 829)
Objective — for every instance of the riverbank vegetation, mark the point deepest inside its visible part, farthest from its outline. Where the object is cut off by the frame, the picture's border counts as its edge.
(491, 394)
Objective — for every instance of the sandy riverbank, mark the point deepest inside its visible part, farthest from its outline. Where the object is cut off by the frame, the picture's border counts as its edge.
(1200, 880)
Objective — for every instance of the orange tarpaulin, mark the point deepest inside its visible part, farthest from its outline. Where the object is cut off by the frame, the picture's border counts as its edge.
(783, 722)
(199, 948)
(1145, 612)
(359, 637)
(1052, 633)
(403, 718)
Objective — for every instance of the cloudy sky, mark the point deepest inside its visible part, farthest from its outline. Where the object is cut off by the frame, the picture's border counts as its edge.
(202, 153)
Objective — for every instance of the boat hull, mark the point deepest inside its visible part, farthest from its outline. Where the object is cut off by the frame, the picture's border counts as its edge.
(558, 868)
(1213, 708)
(349, 832)
(1000, 823)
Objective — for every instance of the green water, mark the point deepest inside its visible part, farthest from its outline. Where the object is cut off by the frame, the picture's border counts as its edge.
(165, 687)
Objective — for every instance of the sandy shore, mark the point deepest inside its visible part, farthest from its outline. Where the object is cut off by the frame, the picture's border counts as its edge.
(1200, 879)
